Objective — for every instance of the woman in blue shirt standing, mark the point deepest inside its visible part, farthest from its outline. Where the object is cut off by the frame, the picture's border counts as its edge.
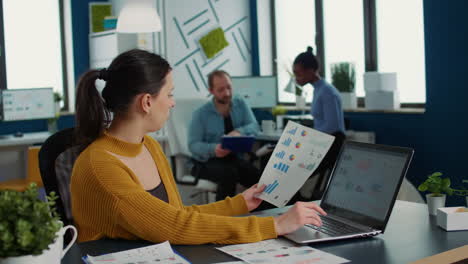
(326, 105)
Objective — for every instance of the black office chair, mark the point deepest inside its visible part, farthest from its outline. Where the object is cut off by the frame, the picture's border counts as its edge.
(53, 147)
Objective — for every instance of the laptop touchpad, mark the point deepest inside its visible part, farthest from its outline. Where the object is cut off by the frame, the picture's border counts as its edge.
(305, 234)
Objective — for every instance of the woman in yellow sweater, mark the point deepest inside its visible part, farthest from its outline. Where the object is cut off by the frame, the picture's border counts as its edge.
(122, 185)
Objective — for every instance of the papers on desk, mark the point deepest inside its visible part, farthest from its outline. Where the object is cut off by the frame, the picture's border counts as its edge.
(278, 251)
(159, 253)
(296, 156)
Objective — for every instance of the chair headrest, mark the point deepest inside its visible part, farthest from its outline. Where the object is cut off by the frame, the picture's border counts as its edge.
(179, 122)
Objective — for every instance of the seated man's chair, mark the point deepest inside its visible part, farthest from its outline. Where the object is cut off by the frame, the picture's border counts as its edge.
(56, 159)
(177, 128)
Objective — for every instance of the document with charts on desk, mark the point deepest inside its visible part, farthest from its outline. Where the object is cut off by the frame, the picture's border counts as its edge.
(159, 253)
(280, 251)
(296, 156)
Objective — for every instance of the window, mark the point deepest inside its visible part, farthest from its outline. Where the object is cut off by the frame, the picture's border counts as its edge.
(344, 37)
(382, 35)
(295, 30)
(33, 44)
(400, 32)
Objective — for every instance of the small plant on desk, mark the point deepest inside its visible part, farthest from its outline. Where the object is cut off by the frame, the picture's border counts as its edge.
(52, 122)
(28, 225)
(437, 188)
(436, 185)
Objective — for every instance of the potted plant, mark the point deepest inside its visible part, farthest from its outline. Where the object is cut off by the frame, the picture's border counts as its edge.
(344, 79)
(437, 188)
(52, 122)
(30, 230)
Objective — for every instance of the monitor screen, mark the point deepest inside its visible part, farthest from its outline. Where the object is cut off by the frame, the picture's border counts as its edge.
(365, 180)
(25, 104)
(258, 91)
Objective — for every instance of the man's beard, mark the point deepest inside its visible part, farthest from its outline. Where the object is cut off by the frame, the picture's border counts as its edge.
(224, 100)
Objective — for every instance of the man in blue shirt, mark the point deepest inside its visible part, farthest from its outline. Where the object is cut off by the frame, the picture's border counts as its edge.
(224, 115)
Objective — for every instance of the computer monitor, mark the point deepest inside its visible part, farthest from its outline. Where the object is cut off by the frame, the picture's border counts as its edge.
(26, 104)
(258, 91)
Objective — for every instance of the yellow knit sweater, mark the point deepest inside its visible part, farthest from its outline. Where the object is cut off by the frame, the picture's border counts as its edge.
(109, 201)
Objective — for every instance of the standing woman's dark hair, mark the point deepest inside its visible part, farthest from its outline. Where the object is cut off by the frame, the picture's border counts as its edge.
(307, 59)
(131, 73)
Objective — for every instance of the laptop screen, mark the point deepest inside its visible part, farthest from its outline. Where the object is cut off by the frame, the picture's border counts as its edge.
(365, 182)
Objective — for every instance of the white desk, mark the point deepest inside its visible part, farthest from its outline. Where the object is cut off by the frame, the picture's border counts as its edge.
(14, 153)
(269, 137)
(359, 136)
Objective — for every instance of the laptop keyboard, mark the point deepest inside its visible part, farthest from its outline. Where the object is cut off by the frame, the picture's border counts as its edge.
(334, 228)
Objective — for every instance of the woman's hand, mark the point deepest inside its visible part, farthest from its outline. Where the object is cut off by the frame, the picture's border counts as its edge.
(250, 196)
(300, 214)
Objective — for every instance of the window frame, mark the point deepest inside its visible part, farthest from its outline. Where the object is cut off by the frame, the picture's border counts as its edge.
(63, 50)
(370, 43)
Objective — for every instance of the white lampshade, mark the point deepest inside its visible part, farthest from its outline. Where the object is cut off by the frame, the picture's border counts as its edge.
(291, 86)
(138, 16)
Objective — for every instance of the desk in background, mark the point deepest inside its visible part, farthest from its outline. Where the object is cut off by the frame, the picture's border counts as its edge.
(14, 152)
(411, 234)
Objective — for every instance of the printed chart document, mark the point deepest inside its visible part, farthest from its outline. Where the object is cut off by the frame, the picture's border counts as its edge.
(279, 251)
(159, 253)
(296, 156)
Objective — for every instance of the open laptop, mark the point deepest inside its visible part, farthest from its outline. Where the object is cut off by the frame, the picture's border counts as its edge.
(360, 194)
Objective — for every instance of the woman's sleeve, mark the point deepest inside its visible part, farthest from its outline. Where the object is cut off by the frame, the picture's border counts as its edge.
(227, 207)
(151, 219)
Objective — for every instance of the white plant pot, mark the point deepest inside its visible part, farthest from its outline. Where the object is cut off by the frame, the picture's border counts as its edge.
(434, 202)
(53, 255)
(348, 100)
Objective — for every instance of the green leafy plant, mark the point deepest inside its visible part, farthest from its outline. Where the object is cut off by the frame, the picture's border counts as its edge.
(28, 225)
(57, 97)
(461, 192)
(343, 76)
(436, 185)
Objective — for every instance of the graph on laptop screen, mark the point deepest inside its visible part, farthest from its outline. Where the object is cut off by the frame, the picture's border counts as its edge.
(364, 180)
(25, 104)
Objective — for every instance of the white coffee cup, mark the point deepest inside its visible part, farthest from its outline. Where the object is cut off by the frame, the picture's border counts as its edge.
(268, 127)
(53, 255)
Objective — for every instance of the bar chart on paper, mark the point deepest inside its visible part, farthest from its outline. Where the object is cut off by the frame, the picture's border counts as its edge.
(271, 187)
(293, 160)
(281, 167)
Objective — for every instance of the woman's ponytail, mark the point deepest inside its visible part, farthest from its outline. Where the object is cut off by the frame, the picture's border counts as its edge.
(91, 115)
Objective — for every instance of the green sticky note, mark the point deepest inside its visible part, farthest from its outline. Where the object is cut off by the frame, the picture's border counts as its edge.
(97, 15)
(213, 42)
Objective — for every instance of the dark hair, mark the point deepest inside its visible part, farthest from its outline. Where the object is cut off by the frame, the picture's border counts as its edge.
(131, 73)
(307, 59)
(216, 73)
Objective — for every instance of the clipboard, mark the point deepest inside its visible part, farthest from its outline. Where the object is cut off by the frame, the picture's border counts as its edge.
(238, 143)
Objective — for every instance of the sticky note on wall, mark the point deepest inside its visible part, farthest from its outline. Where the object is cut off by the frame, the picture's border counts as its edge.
(213, 42)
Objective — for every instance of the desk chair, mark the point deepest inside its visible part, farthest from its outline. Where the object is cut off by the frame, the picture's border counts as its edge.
(59, 147)
(32, 175)
(177, 127)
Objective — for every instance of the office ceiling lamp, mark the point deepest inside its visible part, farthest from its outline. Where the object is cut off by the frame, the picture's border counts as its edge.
(138, 16)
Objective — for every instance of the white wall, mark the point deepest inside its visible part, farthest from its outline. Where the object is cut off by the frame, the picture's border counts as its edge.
(189, 63)
(179, 44)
